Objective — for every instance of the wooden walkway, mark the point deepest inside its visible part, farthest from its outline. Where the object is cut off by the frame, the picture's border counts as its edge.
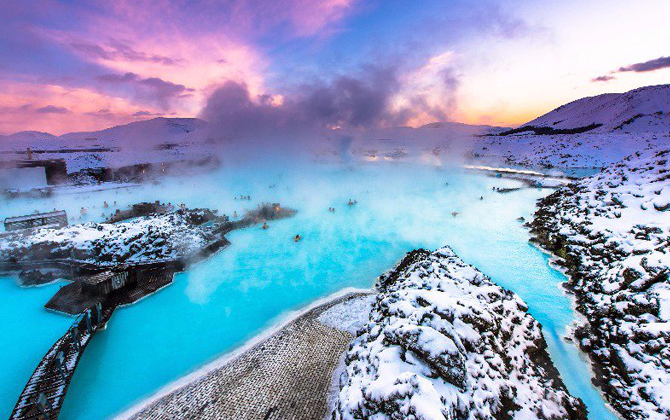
(43, 396)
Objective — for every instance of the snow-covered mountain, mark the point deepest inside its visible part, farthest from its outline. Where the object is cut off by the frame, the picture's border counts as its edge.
(646, 109)
(27, 137)
(149, 141)
(149, 132)
(135, 135)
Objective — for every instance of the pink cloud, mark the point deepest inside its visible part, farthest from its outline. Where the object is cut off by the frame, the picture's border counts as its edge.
(151, 56)
(31, 106)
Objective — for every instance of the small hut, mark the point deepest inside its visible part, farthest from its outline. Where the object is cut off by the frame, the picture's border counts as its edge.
(104, 283)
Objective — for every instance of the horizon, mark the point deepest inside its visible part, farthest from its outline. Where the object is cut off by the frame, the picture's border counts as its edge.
(85, 67)
(197, 117)
(343, 209)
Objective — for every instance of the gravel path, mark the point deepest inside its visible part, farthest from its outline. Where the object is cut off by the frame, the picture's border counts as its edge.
(286, 376)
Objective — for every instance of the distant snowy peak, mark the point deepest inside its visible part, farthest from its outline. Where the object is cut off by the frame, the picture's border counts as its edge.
(157, 130)
(645, 109)
(28, 136)
(148, 134)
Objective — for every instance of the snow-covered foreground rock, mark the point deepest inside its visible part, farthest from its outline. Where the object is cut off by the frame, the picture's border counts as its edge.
(154, 237)
(444, 342)
(612, 232)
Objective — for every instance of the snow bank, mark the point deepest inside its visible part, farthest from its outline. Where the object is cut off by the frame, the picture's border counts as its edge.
(612, 231)
(444, 342)
(588, 150)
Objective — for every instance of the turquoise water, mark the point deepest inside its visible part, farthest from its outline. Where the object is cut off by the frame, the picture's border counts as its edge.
(226, 300)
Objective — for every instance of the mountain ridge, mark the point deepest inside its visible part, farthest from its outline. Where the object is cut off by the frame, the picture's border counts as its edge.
(645, 109)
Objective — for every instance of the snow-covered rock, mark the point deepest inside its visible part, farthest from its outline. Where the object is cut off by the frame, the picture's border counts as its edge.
(565, 151)
(154, 237)
(640, 110)
(612, 232)
(444, 342)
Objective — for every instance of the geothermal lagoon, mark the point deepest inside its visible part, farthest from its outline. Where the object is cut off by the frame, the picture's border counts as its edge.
(219, 304)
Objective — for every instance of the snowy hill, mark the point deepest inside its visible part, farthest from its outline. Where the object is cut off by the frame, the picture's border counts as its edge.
(26, 137)
(145, 133)
(645, 109)
(150, 141)
(563, 151)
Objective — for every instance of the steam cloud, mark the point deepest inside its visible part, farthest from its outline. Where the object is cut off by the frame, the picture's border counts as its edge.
(346, 102)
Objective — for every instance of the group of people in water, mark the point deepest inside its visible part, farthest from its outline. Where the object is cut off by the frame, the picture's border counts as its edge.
(298, 238)
(244, 197)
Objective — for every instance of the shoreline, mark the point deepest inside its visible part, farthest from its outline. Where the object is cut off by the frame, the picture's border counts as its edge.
(283, 321)
(569, 337)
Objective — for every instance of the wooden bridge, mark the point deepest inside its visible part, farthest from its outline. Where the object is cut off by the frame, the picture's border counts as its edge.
(43, 396)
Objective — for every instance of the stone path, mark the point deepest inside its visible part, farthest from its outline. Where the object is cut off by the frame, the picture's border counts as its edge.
(286, 376)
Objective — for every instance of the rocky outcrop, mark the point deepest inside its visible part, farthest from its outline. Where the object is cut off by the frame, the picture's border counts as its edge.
(444, 342)
(153, 237)
(612, 234)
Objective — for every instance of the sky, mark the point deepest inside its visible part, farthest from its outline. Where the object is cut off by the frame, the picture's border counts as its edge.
(86, 65)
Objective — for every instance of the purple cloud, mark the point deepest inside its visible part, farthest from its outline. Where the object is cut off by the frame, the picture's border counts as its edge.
(153, 89)
(651, 65)
(116, 50)
(143, 114)
(52, 109)
(604, 78)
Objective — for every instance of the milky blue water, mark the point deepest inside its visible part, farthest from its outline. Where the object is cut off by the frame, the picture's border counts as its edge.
(219, 304)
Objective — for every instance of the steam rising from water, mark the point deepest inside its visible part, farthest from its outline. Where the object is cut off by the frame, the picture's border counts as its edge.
(313, 115)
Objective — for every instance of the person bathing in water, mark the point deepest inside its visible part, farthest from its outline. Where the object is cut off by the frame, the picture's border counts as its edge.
(297, 238)
(265, 225)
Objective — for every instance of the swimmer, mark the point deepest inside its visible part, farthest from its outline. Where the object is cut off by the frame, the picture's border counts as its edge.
(454, 213)
(235, 214)
(297, 238)
(265, 225)
(481, 197)
(105, 205)
(350, 203)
